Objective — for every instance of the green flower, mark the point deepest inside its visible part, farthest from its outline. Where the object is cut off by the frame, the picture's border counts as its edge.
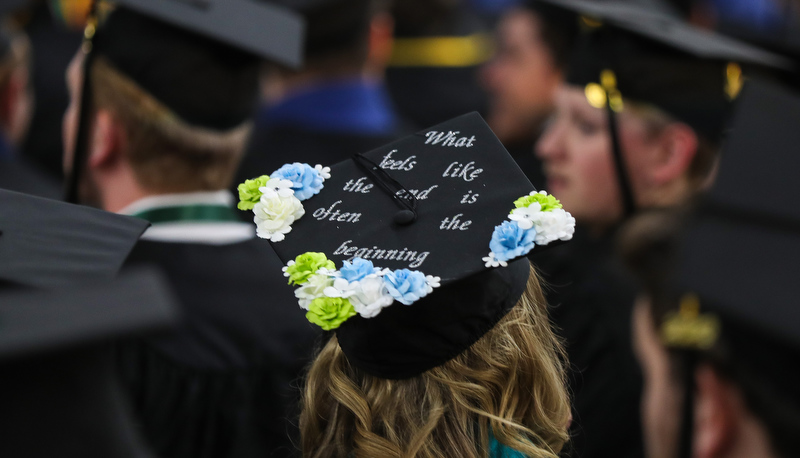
(249, 195)
(548, 203)
(330, 312)
(306, 265)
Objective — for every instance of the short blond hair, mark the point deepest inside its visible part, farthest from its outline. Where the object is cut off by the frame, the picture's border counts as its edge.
(167, 154)
(510, 383)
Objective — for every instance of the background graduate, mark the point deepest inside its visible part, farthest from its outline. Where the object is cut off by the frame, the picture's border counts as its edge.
(164, 99)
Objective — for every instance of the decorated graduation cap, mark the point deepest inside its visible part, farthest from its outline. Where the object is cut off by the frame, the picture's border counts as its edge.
(47, 244)
(408, 251)
(58, 383)
(626, 51)
(200, 58)
(736, 271)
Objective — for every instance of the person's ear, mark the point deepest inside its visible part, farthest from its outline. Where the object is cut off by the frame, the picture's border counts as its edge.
(674, 158)
(105, 146)
(380, 41)
(716, 413)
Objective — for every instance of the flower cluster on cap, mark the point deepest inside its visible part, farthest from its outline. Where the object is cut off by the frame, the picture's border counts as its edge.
(276, 199)
(538, 219)
(330, 297)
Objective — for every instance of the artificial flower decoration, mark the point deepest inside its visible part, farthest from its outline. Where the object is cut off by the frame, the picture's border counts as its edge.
(306, 181)
(306, 265)
(358, 285)
(538, 219)
(276, 199)
(249, 192)
(407, 286)
(330, 312)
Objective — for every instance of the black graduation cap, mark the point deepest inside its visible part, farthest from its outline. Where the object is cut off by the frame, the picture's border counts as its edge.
(57, 384)
(46, 243)
(465, 184)
(753, 206)
(200, 58)
(627, 51)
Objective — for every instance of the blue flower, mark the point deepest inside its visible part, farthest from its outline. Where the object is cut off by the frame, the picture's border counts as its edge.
(357, 270)
(406, 286)
(306, 181)
(509, 241)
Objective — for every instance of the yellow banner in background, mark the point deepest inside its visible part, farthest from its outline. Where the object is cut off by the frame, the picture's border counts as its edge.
(466, 51)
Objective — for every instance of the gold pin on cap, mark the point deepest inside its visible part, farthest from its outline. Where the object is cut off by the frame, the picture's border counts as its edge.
(687, 328)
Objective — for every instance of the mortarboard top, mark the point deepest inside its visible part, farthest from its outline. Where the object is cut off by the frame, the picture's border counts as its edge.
(257, 26)
(39, 322)
(46, 243)
(660, 59)
(465, 184)
(741, 254)
(59, 384)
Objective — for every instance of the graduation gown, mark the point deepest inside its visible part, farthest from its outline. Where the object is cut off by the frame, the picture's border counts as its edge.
(591, 299)
(225, 384)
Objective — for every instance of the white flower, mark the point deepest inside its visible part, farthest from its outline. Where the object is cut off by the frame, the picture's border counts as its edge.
(526, 216)
(275, 213)
(553, 225)
(313, 288)
(341, 288)
(370, 296)
(277, 187)
(324, 172)
(286, 267)
(491, 261)
(432, 282)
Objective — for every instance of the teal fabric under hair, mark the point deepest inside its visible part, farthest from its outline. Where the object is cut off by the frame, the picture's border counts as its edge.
(498, 450)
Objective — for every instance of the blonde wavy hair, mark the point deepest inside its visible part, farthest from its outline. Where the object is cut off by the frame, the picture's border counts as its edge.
(511, 382)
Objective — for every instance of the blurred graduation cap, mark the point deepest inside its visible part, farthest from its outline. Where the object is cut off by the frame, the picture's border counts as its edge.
(46, 243)
(428, 202)
(740, 254)
(200, 58)
(754, 204)
(628, 52)
(57, 383)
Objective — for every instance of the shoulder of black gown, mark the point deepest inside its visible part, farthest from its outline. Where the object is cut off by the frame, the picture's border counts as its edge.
(226, 382)
(591, 298)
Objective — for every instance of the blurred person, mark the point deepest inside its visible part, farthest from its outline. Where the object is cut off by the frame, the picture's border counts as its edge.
(636, 126)
(16, 109)
(716, 330)
(337, 104)
(438, 50)
(53, 45)
(533, 45)
(169, 111)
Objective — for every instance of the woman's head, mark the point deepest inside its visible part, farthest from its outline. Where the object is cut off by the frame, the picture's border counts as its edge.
(666, 160)
(510, 382)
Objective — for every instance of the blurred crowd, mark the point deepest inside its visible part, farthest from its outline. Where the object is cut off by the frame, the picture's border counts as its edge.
(663, 127)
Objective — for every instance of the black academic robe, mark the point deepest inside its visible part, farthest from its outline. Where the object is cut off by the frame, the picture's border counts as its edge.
(273, 146)
(225, 383)
(591, 299)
